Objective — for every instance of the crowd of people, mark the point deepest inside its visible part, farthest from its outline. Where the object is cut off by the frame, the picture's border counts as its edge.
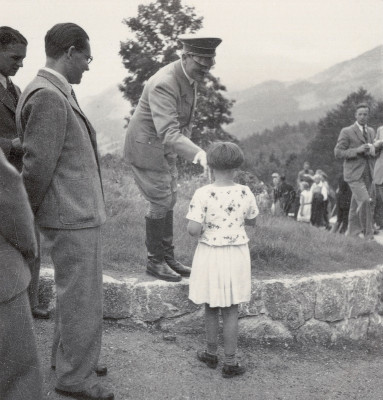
(359, 193)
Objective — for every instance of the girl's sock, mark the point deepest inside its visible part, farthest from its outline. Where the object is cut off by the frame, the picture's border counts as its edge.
(212, 348)
(230, 359)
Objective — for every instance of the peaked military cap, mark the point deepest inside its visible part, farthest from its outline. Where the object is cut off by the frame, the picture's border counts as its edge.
(199, 46)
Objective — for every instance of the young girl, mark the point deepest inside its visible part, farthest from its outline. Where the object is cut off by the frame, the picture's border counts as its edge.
(221, 274)
(304, 212)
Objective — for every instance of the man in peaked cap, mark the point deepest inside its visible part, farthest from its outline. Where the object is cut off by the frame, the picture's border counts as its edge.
(158, 132)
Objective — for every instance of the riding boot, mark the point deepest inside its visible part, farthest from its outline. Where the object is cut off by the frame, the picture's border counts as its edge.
(168, 247)
(156, 265)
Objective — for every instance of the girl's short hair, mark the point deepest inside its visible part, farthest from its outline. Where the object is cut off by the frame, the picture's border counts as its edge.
(224, 155)
(304, 185)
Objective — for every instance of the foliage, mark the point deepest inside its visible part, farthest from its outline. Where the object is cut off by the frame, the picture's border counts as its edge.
(156, 29)
(320, 151)
(278, 150)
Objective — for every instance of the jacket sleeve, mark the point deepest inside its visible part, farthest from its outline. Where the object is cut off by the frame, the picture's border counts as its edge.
(44, 120)
(163, 105)
(342, 150)
(17, 224)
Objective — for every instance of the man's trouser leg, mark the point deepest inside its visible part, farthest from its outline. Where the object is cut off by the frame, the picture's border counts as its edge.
(76, 256)
(20, 372)
(34, 266)
(360, 214)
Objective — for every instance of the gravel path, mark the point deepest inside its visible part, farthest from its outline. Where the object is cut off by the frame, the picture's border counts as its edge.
(149, 365)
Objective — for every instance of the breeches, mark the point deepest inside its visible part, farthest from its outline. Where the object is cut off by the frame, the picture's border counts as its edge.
(159, 188)
(20, 373)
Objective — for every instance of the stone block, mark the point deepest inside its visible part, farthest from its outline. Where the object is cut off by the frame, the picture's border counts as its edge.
(47, 289)
(193, 322)
(292, 301)
(362, 293)
(314, 332)
(375, 327)
(331, 299)
(159, 299)
(117, 297)
(264, 329)
(350, 329)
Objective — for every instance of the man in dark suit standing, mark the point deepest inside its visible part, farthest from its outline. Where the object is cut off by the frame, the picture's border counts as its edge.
(13, 49)
(158, 132)
(355, 147)
(20, 374)
(61, 172)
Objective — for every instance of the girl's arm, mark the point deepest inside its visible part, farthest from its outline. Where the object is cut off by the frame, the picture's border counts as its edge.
(194, 228)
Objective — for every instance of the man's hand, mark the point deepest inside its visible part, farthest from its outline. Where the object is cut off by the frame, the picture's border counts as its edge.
(200, 158)
(363, 149)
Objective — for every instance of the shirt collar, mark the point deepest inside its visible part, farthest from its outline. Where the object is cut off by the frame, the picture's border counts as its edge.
(360, 126)
(3, 80)
(59, 76)
(191, 81)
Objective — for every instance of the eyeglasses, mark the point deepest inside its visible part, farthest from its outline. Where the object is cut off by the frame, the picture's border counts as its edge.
(89, 59)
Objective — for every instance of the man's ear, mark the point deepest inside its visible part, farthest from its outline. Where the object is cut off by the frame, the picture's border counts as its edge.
(70, 51)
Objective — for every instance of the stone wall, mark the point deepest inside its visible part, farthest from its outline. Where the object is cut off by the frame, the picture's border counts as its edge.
(323, 309)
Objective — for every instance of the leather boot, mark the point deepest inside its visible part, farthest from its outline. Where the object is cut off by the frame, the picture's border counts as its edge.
(167, 242)
(156, 265)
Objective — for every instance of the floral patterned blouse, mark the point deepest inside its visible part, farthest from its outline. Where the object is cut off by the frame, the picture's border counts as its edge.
(222, 212)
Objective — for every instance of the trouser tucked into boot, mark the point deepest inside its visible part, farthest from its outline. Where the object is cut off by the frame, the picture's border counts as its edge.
(156, 264)
(168, 247)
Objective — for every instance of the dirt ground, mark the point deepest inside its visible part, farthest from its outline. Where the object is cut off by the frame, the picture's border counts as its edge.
(150, 365)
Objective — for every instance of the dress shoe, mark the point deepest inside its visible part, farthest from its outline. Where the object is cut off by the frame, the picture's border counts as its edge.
(176, 266)
(95, 392)
(39, 313)
(162, 271)
(101, 370)
(228, 371)
(211, 360)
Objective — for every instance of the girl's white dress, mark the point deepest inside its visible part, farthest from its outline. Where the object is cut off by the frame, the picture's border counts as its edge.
(221, 270)
(307, 199)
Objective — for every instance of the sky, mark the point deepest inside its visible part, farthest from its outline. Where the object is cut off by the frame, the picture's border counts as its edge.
(263, 40)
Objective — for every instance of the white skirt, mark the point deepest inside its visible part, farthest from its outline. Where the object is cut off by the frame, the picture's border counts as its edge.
(220, 275)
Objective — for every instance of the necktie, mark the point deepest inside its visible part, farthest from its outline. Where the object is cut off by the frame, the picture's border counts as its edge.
(75, 99)
(12, 91)
(365, 136)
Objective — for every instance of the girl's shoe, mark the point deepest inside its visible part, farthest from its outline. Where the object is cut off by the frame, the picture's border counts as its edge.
(228, 371)
(209, 359)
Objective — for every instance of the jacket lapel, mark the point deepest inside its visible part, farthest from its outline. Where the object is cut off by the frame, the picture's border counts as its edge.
(358, 133)
(6, 99)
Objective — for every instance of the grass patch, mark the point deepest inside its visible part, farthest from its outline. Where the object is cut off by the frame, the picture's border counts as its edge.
(278, 246)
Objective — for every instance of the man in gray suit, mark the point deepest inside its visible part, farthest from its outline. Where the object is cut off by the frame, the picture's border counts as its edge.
(355, 147)
(20, 374)
(13, 49)
(62, 177)
(158, 132)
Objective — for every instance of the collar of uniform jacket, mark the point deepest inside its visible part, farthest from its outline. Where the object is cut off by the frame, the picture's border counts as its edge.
(191, 81)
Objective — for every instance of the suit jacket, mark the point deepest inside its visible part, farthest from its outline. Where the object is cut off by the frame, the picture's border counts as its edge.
(354, 164)
(61, 170)
(17, 232)
(8, 130)
(161, 124)
(378, 170)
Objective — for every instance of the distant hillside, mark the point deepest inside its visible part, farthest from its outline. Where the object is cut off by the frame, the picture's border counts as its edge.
(107, 112)
(273, 103)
